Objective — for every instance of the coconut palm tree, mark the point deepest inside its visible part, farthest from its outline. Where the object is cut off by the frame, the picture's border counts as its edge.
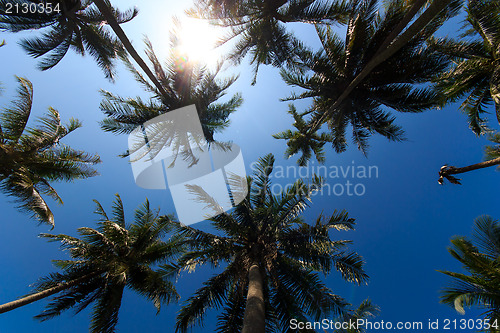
(187, 83)
(492, 158)
(480, 284)
(75, 24)
(31, 158)
(273, 258)
(260, 25)
(400, 35)
(303, 140)
(104, 262)
(475, 74)
(109, 13)
(364, 311)
(395, 83)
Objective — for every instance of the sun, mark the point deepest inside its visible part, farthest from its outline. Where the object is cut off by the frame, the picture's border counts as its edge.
(197, 40)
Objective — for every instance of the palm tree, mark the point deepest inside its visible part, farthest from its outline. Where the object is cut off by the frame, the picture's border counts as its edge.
(475, 75)
(109, 13)
(364, 311)
(272, 258)
(303, 140)
(31, 158)
(492, 158)
(187, 83)
(260, 25)
(75, 24)
(375, 66)
(327, 74)
(106, 260)
(480, 284)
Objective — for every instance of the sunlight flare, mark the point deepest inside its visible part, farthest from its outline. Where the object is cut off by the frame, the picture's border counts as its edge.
(197, 40)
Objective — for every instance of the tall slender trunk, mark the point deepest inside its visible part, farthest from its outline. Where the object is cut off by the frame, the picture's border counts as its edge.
(106, 12)
(254, 318)
(417, 4)
(43, 294)
(421, 22)
(485, 164)
(446, 171)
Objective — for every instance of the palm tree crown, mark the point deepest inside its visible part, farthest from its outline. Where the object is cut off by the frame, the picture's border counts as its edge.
(266, 235)
(31, 158)
(105, 261)
(480, 285)
(186, 83)
(260, 25)
(475, 74)
(394, 84)
(78, 24)
(493, 151)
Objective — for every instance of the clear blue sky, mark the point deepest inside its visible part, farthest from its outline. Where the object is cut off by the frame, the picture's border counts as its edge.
(404, 220)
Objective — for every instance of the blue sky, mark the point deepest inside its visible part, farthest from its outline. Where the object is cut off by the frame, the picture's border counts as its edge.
(404, 220)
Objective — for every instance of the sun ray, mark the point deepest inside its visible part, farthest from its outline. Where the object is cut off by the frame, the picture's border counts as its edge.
(197, 40)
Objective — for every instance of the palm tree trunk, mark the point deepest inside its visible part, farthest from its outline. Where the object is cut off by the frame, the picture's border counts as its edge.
(495, 93)
(106, 12)
(43, 294)
(417, 4)
(486, 164)
(254, 318)
(421, 22)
